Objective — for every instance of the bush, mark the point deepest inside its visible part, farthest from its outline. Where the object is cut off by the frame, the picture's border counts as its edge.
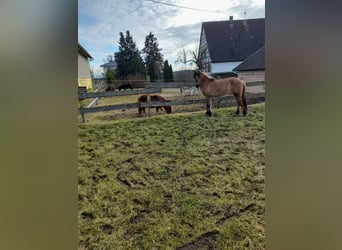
(110, 76)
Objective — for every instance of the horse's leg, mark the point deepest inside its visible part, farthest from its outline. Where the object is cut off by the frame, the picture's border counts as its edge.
(244, 105)
(208, 113)
(243, 101)
(142, 111)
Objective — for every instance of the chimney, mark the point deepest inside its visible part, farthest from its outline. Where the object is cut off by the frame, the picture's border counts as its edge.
(231, 22)
(244, 22)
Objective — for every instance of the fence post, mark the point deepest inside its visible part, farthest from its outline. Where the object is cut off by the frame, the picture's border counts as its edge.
(82, 90)
(219, 102)
(82, 114)
(148, 96)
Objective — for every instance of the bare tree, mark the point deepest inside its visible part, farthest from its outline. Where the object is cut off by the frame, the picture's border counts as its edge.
(192, 57)
(182, 57)
(95, 72)
(109, 58)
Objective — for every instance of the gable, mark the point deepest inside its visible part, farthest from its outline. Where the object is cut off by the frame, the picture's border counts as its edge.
(83, 52)
(233, 40)
(256, 61)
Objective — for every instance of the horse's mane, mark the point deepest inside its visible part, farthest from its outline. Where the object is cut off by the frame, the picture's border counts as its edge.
(207, 76)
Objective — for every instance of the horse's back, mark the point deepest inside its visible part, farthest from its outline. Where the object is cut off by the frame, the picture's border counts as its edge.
(110, 88)
(232, 82)
(142, 98)
(157, 98)
(221, 87)
(237, 85)
(154, 98)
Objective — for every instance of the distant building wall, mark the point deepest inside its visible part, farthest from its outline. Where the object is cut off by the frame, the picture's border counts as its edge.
(252, 76)
(84, 78)
(105, 69)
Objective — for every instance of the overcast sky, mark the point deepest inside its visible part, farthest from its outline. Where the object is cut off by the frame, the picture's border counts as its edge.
(176, 24)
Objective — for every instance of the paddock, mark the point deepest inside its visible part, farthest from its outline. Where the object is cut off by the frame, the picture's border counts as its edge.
(124, 105)
(178, 181)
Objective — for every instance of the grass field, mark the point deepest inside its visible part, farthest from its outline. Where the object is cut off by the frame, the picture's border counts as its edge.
(179, 181)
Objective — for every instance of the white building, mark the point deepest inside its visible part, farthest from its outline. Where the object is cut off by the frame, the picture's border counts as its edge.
(84, 77)
(109, 66)
(226, 44)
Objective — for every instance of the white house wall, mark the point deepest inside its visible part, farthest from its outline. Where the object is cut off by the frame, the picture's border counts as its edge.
(223, 66)
(84, 78)
(83, 67)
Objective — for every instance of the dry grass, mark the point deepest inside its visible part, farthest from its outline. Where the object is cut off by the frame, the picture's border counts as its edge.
(182, 181)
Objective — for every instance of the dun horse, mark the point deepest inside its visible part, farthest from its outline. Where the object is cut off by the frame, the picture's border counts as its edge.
(211, 87)
(154, 98)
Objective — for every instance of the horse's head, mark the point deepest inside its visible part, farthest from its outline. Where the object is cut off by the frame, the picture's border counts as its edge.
(168, 109)
(197, 76)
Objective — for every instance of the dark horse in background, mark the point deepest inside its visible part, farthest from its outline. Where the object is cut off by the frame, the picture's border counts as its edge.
(126, 86)
(154, 98)
(110, 88)
(211, 87)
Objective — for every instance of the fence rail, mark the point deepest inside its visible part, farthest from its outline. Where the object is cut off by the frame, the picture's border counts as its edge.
(221, 100)
(82, 96)
(149, 89)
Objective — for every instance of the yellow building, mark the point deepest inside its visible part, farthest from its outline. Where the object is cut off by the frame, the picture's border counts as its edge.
(84, 77)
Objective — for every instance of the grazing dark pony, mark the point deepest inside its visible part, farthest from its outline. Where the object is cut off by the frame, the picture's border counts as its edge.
(154, 98)
(110, 88)
(125, 86)
(211, 87)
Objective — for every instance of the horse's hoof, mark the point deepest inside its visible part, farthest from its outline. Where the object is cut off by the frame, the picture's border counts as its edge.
(208, 113)
(244, 113)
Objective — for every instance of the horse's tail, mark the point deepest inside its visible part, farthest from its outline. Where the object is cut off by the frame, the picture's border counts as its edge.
(244, 98)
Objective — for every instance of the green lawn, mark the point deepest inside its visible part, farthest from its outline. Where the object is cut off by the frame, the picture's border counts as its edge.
(178, 181)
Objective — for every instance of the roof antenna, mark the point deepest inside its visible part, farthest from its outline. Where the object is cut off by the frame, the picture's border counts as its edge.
(244, 22)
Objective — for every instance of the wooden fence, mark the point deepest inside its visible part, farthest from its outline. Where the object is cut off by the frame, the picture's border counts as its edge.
(155, 87)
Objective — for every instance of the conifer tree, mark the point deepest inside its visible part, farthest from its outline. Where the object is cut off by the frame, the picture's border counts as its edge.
(128, 57)
(168, 73)
(153, 57)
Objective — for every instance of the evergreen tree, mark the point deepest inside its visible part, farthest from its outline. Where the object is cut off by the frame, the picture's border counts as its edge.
(128, 57)
(168, 73)
(153, 57)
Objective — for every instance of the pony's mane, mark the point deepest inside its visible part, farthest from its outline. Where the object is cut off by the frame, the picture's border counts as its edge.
(208, 76)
